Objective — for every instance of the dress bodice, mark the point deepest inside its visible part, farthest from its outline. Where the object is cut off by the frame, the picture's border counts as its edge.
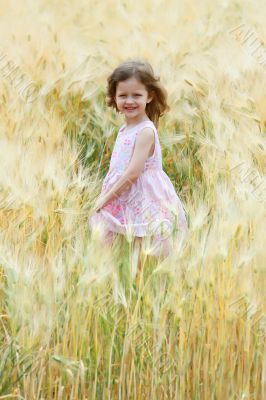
(124, 147)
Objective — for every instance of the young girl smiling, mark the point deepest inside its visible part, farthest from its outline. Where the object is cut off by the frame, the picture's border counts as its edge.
(137, 197)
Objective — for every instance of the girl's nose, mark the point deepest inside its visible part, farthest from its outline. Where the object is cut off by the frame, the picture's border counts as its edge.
(129, 100)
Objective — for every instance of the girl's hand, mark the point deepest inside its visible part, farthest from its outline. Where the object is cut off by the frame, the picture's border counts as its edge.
(99, 204)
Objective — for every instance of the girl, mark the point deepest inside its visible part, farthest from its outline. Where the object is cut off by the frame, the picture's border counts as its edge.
(137, 197)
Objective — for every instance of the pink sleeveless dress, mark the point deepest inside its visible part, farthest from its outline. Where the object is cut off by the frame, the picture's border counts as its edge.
(150, 208)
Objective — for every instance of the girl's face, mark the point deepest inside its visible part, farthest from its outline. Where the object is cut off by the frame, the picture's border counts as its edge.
(131, 99)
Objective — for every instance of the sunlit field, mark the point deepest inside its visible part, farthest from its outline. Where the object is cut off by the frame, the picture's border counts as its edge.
(73, 322)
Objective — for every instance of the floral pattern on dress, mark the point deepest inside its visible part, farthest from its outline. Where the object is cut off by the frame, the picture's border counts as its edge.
(150, 205)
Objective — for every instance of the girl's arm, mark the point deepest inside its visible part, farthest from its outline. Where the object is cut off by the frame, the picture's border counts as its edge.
(144, 141)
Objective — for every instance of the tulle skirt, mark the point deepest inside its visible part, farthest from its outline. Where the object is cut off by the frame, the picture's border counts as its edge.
(150, 209)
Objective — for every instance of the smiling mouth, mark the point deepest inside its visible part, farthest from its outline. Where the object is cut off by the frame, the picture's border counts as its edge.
(130, 108)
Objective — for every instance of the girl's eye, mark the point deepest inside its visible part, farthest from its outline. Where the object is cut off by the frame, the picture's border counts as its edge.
(122, 95)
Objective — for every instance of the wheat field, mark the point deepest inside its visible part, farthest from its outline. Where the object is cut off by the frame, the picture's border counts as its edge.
(73, 324)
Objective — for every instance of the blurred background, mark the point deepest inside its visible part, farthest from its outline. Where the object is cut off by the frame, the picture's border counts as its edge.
(73, 324)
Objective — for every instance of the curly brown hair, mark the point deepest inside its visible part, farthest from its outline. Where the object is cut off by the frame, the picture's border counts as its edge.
(143, 72)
